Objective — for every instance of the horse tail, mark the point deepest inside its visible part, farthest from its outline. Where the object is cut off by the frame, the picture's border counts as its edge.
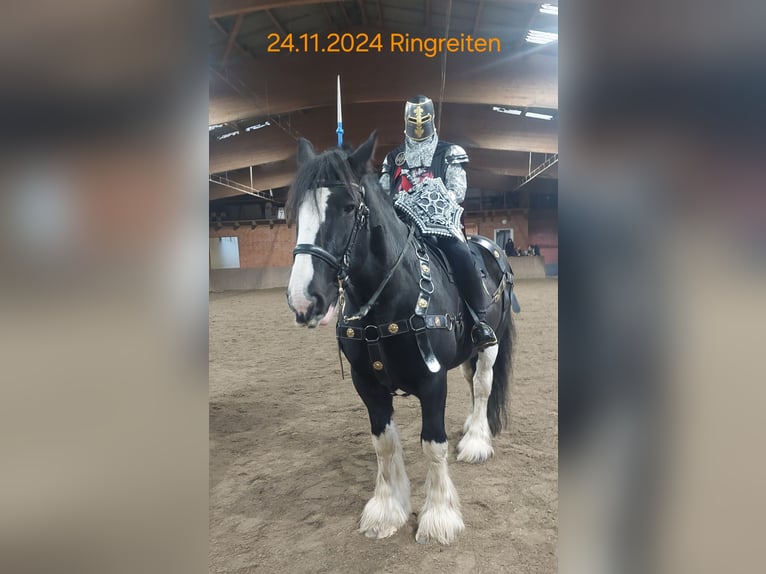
(502, 370)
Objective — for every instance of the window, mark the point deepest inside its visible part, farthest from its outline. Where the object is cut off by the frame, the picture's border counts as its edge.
(224, 253)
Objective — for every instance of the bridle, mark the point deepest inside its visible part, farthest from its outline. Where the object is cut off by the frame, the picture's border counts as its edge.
(360, 221)
(341, 266)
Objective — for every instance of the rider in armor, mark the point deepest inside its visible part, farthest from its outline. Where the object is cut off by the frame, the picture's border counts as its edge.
(428, 182)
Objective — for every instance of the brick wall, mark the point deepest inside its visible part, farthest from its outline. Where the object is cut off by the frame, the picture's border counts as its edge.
(516, 220)
(273, 247)
(544, 231)
(262, 246)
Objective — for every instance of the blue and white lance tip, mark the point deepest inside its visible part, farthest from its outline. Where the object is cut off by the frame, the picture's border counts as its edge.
(339, 131)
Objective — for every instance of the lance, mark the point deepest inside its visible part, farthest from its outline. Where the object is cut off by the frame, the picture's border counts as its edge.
(339, 131)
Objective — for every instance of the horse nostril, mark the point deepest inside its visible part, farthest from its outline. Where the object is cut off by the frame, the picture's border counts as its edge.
(318, 302)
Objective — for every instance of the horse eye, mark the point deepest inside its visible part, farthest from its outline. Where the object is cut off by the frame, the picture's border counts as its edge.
(349, 208)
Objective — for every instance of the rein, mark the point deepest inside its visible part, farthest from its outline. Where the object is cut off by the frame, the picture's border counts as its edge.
(364, 309)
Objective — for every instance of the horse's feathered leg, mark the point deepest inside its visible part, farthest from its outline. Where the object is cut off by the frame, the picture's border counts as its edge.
(468, 369)
(476, 444)
(389, 508)
(440, 519)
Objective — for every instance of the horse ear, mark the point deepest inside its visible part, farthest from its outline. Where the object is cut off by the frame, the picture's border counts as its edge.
(305, 151)
(361, 155)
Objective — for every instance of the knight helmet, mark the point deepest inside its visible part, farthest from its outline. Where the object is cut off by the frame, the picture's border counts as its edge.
(419, 118)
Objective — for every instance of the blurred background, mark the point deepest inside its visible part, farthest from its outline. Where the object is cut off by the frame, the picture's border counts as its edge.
(662, 282)
(103, 339)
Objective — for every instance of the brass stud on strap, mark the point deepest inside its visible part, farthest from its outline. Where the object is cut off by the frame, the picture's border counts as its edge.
(393, 328)
(377, 365)
(496, 253)
(425, 268)
(422, 303)
(438, 321)
(350, 333)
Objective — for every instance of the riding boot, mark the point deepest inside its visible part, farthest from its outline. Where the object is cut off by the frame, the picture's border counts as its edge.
(469, 282)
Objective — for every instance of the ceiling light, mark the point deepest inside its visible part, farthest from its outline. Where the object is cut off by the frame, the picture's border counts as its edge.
(538, 37)
(549, 9)
(257, 126)
(506, 110)
(539, 116)
(228, 135)
(214, 127)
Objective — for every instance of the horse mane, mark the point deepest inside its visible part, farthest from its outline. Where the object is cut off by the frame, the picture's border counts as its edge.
(329, 166)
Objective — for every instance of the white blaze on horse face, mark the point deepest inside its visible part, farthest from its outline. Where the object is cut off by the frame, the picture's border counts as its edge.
(309, 221)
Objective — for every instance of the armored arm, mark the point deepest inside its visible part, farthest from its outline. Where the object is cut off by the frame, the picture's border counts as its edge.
(456, 183)
(385, 176)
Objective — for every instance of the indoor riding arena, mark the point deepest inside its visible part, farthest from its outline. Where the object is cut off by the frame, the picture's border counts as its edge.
(292, 462)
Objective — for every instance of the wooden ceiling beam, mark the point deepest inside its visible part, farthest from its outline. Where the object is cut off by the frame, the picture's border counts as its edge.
(276, 23)
(330, 21)
(477, 19)
(237, 45)
(222, 8)
(504, 81)
(345, 13)
(232, 39)
(469, 126)
(281, 174)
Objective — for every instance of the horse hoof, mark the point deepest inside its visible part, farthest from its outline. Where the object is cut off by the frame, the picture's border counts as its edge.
(381, 518)
(474, 450)
(375, 534)
(442, 526)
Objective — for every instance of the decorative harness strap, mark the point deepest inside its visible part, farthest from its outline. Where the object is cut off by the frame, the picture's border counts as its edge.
(418, 323)
(421, 309)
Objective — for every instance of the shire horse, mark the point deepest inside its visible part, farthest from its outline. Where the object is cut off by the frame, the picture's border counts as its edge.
(354, 252)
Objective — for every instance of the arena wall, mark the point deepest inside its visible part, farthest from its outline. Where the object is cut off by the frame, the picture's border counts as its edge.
(265, 252)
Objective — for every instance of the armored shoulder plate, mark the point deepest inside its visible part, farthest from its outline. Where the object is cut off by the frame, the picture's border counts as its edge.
(456, 154)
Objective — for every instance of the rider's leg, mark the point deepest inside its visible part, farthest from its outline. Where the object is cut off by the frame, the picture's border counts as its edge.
(470, 285)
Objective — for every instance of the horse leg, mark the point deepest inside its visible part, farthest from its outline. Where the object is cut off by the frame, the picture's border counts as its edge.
(389, 507)
(468, 369)
(476, 444)
(440, 518)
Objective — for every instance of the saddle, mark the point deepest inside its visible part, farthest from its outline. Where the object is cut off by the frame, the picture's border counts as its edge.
(476, 251)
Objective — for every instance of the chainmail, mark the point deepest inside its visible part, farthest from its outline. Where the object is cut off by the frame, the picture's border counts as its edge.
(420, 154)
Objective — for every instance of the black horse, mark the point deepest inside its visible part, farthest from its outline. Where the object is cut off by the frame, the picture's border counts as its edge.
(402, 325)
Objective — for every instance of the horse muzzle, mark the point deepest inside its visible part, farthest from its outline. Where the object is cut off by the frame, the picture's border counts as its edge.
(311, 312)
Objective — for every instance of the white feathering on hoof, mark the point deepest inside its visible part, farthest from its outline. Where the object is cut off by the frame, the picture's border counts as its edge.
(476, 445)
(440, 520)
(389, 508)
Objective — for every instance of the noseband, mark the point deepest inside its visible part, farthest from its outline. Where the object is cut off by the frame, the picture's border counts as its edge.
(341, 267)
(360, 221)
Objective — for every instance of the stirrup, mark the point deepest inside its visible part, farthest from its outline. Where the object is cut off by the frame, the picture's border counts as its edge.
(487, 340)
